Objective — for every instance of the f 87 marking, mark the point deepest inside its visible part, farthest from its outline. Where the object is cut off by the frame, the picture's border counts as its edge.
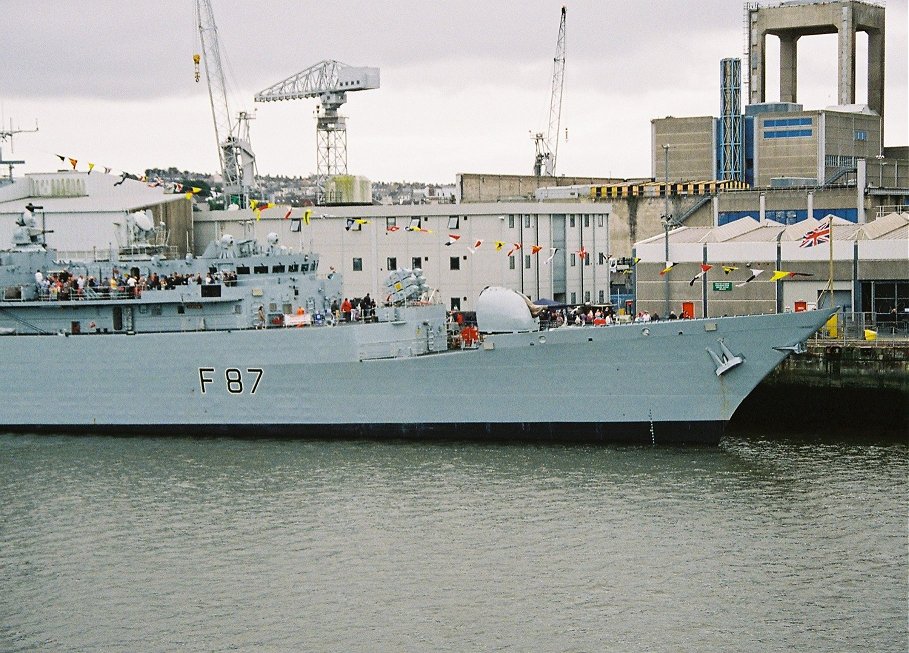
(233, 379)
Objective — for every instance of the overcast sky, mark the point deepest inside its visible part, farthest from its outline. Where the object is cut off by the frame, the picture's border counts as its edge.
(463, 83)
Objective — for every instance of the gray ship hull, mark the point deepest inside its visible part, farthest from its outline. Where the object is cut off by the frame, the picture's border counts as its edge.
(646, 383)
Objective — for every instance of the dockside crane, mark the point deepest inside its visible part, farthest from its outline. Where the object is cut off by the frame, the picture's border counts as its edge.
(238, 163)
(547, 145)
(330, 81)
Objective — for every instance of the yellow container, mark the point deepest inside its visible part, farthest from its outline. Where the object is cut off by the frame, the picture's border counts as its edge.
(831, 325)
(870, 335)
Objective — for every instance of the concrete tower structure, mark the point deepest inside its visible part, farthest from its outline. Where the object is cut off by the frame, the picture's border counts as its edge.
(791, 20)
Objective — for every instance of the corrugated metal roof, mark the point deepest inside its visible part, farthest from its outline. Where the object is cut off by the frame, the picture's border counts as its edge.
(894, 225)
(748, 230)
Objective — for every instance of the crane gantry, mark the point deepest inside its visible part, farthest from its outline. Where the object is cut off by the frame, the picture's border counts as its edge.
(329, 81)
(547, 145)
(238, 163)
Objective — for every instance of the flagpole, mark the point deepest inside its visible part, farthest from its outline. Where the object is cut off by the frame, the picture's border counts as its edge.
(830, 278)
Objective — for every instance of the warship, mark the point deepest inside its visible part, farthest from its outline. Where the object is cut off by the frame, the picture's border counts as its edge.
(243, 340)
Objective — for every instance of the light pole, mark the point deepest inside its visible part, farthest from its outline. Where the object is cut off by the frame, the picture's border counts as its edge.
(880, 170)
(666, 220)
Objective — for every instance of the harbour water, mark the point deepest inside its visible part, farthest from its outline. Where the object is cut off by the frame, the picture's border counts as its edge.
(160, 544)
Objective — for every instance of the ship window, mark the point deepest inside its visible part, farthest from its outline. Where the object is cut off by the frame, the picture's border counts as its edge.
(587, 296)
(286, 309)
(602, 297)
(272, 307)
(415, 262)
(211, 290)
(156, 309)
(453, 222)
(390, 222)
(599, 220)
(293, 267)
(181, 309)
(570, 220)
(574, 298)
(242, 269)
(573, 263)
(511, 222)
(527, 221)
(277, 268)
(260, 269)
(454, 263)
(415, 223)
(296, 225)
(392, 263)
(455, 303)
(357, 264)
(238, 309)
(511, 263)
(527, 261)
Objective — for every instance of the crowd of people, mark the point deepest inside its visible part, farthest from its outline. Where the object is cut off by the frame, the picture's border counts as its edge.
(358, 309)
(65, 285)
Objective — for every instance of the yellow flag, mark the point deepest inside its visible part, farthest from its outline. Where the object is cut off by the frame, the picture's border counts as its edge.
(499, 245)
(307, 214)
(779, 274)
(90, 167)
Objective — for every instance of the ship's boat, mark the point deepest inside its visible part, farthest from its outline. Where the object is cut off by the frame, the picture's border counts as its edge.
(250, 339)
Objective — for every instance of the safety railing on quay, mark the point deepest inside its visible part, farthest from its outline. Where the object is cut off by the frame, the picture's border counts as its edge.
(866, 329)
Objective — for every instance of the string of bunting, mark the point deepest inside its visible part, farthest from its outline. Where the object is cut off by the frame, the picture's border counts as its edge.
(156, 182)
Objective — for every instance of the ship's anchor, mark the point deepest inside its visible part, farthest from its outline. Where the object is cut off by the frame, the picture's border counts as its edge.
(727, 361)
(797, 348)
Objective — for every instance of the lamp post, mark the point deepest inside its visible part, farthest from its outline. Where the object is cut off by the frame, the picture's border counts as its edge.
(880, 170)
(666, 220)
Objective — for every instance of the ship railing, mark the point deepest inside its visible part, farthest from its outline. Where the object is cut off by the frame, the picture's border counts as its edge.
(88, 294)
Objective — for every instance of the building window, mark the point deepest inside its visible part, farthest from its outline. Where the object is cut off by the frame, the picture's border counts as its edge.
(453, 222)
(787, 122)
(599, 220)
(511, 222)
(788, 133)
(391, 222)
(415, 262)
(861, 135)
(527, 221)
(454, 263)
(357, 264)
(586, 220)
(571, 221)
(527, 261)
(392, 263)
(573, 259)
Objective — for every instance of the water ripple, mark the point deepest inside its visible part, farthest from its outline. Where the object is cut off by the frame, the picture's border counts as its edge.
(123, 544)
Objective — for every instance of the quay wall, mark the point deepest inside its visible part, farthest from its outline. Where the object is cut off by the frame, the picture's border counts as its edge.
(858, 388)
